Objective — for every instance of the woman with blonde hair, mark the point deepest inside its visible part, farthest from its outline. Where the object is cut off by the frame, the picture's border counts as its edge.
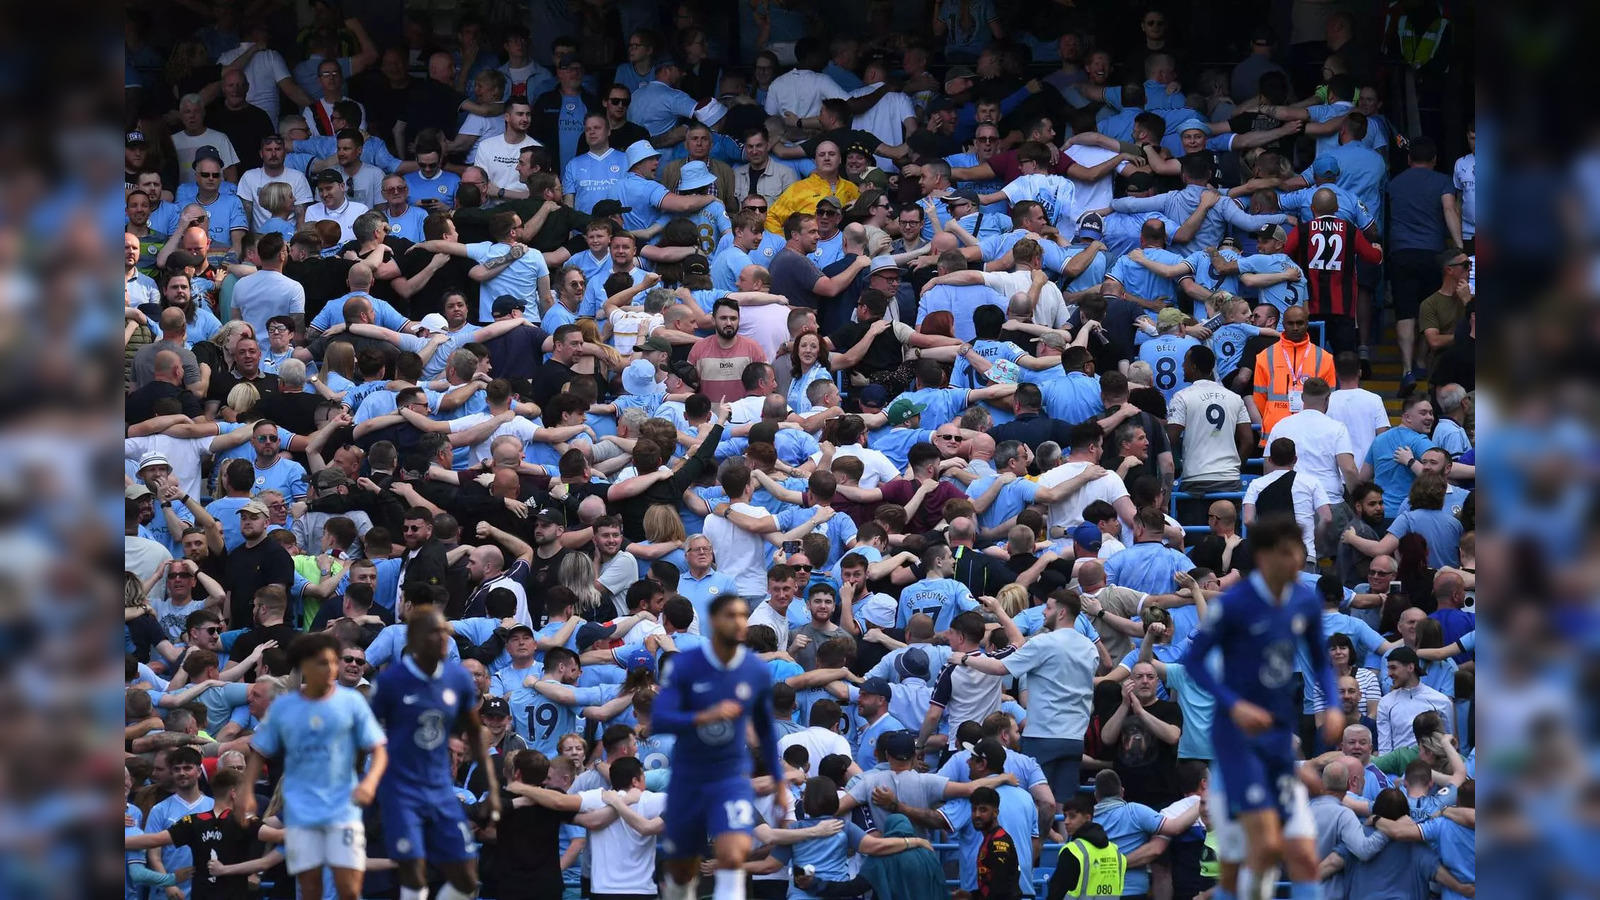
(227, 335)
(277, 199)
(242, 398)
(664, 538)
(338, 371)
(576, 573)
(592, 366)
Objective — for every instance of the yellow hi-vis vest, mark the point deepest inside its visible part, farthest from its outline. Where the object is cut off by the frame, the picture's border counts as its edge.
(1100, 869)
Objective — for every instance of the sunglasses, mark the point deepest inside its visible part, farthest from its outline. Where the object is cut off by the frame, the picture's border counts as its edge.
(212, 630)
(354, 659)
(179, 575)
(267, 438)
(760, 209)
(208, 174)
(618, 101)
(801, 568)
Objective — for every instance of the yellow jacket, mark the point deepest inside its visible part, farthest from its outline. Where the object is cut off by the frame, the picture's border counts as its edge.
(802, 196)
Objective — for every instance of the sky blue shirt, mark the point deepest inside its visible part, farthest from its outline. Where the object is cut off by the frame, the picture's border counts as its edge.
(161, 817)
(383, 313)
(1395, 479)
(1228, 343)
(840, 531)
(374, 152)
(642, 196)
(963, 376)
(1198, 708)
(959, 301)
(1092, 275)
(1165, 355)
(828, 856)
(1129, 826)
(1122, 231)
(1457, 848)
(1141, 282)
(1178, 205)
(988, 186)
(1012, 499)
(1362, 171)
(1148, 566)
(1351, 208)
(1441, 529)
(408, 224)
(940, 598)
(520, 279)
(1017, 815)
(657, 106)
(700, 592)
(867, 738)
(726, 264)
(320, 740)
(390, 644)
(1284, 294)
(591, 178)
(997, 245)
(1075, 398)
(441, 187)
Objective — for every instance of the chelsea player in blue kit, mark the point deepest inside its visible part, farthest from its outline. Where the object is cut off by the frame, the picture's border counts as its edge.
(1244, 655)
(320, 731)
(422, 700)
(708, 694)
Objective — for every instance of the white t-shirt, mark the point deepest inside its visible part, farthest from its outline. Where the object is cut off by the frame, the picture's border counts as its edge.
(184, 145)
(1308, 498)
(801, 91)
(767, 325)
(630, 325)
(765, 614)
(514, 586)
(263, 71)
(251, 183)
(1362, 413)
(1209, 414)
(344, 215)
(1318, 440)
(481, 127)
(886, 119)
(819, 742)
(184, 454)
(1055, 193)
(746, 410)
(267, 293)
(1091, 194)
(1050, 311)
(498, 157)
(878, 466)
(625, 860)
(519, 428)
(741, 555)
(1068, 513)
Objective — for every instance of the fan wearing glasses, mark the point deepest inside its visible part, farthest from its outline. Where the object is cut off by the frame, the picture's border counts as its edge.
(227, 224)
(623, 132)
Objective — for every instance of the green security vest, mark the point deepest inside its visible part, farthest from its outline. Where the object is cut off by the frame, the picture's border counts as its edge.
(1100, 869)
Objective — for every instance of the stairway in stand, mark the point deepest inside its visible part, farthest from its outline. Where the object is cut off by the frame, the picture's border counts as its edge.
(1385, 380)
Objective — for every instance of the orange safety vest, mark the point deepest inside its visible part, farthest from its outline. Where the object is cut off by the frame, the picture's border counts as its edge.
(1283, 368)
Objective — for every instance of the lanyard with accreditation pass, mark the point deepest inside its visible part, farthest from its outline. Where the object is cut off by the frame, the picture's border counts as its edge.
(1297, 378)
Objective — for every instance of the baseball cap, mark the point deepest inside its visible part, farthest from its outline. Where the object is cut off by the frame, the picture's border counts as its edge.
(330, 477)
(136, 137)
(668, 61)
(883, 263)
(1271, 233)
(710, 111)
(962, 195)
(273, 138)
(254, 508)
(1261, 34)
(639, 151)
(520, 626)
(1088, 535)
(686, 371)
(568, 59)
(960, 72)
(904, 409)
(434, 322)
(136, 491)
(829, 200)
(655, 344)
(1169, 318)
(1325, 167)
(992, 753)
(590, 632)
(555, 515)
(506, 303)
(695, 175)
(1091, 225)
(1141, 181)
(494, 706)
(874, 395)
(637, 658)
(609, 207)
(1405, 655)
(207, 151)
(153, 458)
(898, 745)
(912, 664)
(1229, 241)
(696, 265)
(639, 377)
(877, 684)
(328, 176)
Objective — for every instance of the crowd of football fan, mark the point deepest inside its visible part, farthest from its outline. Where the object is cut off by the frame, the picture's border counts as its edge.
(950, 332)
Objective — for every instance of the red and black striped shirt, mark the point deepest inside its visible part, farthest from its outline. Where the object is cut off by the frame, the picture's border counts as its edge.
(1326, 249)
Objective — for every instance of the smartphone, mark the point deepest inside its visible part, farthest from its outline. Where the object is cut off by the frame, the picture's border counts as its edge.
(791, 547)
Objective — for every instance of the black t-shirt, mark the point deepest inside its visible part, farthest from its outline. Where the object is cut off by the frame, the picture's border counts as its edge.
(220, 833)
(1148, 766)
(549, 380)
(884, 354)
(141, 403)
(393, 249)
(1252, 348)
(282, 632)
(252, 568)
(622, 137)
(222, 382)
(429, 298)
(530, 851)
(432, 105)
(245, 128)
(323, 279)
(295, 411)
(542, 573)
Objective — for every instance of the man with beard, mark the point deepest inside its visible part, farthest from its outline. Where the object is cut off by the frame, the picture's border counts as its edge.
(721, 358)
(423, 561)
(1364, 513)
(254, 564)
(486, 570)
(246, 370)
